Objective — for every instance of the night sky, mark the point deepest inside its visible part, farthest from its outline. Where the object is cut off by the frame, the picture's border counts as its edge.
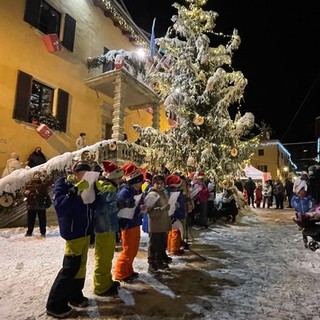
(279, 55)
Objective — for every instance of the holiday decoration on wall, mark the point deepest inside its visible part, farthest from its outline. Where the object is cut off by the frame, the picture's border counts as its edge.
(52, 42)
(44, 131)
(112, 146)
(6, 200)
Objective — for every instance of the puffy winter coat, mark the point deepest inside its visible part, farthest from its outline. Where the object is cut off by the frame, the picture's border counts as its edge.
(125, 199)
(74, 217)
(12, 164)
(105, 217)
(35, 192)
(36, 158)
(302, 205)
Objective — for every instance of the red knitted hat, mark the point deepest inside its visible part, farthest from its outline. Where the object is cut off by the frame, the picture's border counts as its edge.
(111, 170)
(173, 181)
(132, 173)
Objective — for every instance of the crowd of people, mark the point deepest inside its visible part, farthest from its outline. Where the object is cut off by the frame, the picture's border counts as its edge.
(102, 199)
(267, 194)
(96, 202)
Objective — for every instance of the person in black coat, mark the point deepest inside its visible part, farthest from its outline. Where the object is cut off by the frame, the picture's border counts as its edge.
(36, 158)
(250, 186)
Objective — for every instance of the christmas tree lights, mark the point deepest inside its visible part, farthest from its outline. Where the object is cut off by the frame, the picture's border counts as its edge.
(198, 85)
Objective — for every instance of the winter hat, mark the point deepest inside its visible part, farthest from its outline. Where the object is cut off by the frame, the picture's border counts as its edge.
(200, 175)
(173, 181)
(132, 173)
(81, 166)
(111, 170)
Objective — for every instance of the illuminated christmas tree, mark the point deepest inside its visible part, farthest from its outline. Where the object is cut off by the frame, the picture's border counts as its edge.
(198, 85)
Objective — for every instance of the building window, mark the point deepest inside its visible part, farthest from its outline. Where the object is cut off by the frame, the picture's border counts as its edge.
(263, 168)
(42, 16)
(34, 102)
(260, 152)
(41, 102)
(49, 20)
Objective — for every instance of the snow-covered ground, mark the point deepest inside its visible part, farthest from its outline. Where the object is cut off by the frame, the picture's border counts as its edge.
(255, 269)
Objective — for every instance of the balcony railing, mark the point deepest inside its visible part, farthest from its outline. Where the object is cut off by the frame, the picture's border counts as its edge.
(12, 206)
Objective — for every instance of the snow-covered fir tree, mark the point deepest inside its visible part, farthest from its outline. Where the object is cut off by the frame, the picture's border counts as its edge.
(198, 85)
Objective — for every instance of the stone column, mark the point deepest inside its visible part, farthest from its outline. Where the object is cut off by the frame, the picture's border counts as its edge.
(118, 109)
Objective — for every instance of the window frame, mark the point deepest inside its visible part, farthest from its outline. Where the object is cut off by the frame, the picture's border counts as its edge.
(21, 110)
(40, 94)
(32, 15)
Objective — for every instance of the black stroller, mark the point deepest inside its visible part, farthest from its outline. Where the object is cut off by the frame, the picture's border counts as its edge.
(313, 231)
(309, 223)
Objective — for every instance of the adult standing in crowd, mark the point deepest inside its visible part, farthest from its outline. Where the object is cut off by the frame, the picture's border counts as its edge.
(130, 228)
(38, 201)
(288, 185)
(106, 225)
(250, 187)
(13, 163)
(267, 194)
(279, 193)
(301, 182)
(239, 185)
(75, 219)
(81, 141)
(314, 182)
(36, 157)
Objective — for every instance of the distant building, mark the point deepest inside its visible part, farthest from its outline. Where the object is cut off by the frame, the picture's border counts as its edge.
(304, 154)
(271, 156)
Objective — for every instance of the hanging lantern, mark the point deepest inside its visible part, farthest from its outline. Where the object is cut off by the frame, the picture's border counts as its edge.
(198, 120)
(234, 152)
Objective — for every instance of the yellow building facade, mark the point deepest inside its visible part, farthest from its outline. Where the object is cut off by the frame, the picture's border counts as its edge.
(100, 107)
(271, 156)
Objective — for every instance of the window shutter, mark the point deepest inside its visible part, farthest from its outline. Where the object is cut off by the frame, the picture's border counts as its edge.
(32, 12)
(69, 32)
(23, 93)
(62, 109)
